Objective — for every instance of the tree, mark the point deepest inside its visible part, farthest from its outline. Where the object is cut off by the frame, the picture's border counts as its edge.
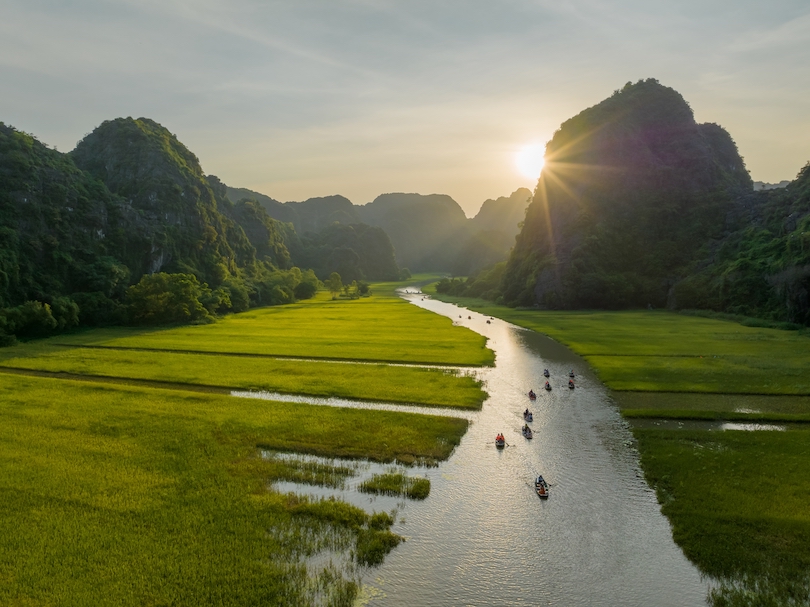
(167, 298)
(335, 284)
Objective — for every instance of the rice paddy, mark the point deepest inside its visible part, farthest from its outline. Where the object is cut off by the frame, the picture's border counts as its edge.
(120, 494)
(131, 496)
(376, 329)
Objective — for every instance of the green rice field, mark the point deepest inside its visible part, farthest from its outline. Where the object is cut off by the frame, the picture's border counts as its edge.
(377, 382)
(664, 351)
(119, 493)
(378, 329)
(136, 496)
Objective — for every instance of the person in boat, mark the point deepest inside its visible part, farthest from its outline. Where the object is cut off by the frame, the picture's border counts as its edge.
(526, 413)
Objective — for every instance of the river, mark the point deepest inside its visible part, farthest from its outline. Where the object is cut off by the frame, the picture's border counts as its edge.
(483, 537)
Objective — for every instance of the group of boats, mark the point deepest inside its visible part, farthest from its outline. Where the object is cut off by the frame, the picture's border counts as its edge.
(547, 385)
(540, 484)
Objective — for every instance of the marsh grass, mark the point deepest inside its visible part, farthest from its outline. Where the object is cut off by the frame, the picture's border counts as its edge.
(374, 382)
(397, 484)
(381, 328)
(309, 473)
(135, 496)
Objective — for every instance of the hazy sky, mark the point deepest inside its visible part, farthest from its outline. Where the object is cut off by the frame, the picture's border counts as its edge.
(302, 98)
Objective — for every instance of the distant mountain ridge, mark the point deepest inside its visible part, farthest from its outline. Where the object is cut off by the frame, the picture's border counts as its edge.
(430, 232)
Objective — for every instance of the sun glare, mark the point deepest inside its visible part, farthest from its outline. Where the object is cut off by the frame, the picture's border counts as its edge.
(529, 160)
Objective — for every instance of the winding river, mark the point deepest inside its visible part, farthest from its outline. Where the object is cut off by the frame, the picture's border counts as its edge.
(483, 537)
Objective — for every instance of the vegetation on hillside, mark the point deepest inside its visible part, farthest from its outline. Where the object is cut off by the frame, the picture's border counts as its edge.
(130, 201)
(762, 268)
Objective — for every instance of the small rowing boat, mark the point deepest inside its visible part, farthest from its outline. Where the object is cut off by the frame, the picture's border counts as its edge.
(541, 487)
(500, 441)
(547, 386)
(527, 415)
(527, 432)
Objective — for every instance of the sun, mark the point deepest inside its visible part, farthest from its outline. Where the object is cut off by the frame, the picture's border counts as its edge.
(529, 160)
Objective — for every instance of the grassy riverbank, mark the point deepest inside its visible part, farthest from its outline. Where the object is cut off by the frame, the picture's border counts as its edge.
(738, 501)
(118, 494)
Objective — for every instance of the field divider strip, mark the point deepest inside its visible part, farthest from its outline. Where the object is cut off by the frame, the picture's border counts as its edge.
(324, 359)
(672, 390)
(467, 414)
(294, 397)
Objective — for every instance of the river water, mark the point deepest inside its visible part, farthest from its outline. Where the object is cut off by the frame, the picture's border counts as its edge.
(483, 537)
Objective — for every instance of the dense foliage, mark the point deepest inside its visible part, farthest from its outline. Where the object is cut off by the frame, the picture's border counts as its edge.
(356, 252)
(76, 230)
(763, 268)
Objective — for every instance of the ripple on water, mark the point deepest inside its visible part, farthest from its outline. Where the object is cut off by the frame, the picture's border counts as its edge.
(484, 537)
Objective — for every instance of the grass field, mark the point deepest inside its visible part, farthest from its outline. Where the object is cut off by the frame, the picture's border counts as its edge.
(739, 502)
(379, 328)
(739, 507)
(378, 382)
(116, 494)
(137, 496)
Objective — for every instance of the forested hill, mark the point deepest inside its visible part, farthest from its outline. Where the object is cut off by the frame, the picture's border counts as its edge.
(633, 187)
(762, 268)
(191, 222)
(427, 231)
(129, 203)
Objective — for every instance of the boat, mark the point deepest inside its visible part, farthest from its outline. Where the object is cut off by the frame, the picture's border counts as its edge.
(489, 323)
(571, 384)
(541, 487)
(500, 441)
(547, 386)
(546, 373)
(527, 432)
(527, 415)
(571, 373)
(532, 395)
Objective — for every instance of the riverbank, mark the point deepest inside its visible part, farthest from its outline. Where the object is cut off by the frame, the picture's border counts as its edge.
(737, 501)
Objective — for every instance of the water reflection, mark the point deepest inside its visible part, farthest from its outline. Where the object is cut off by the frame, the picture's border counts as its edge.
(483, 536)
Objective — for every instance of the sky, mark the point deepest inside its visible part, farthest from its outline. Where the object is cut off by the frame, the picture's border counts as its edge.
(304, 98)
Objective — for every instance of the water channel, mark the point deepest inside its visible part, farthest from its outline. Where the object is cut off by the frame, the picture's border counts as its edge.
(483, 537)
